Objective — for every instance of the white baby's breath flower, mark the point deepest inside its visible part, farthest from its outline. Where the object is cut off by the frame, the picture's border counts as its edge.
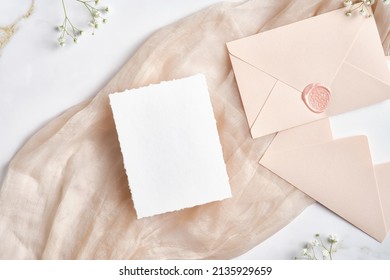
(332, 238)
(315, 243)
(347, 3)
(361, 6)
(362, 12)
(92, 23)
(304, 252)
(96, 14)
(61, 41)
(325, 253)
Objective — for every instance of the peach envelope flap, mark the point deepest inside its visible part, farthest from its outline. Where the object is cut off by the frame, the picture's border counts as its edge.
(272, 69)
(337, 173)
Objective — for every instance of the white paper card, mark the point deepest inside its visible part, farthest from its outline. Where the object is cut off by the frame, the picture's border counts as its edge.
(170, 145)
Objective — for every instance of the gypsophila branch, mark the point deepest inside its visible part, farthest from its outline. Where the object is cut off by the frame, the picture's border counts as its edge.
(68, 29)
(317, 245)
(363, 6)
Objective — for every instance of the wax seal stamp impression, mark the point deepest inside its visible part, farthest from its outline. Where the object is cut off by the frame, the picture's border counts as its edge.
(316, 97)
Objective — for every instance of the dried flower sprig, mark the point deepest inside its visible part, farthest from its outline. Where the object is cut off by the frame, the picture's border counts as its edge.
(9, 30)
(317, 247)
(363, 6)
(67, 28)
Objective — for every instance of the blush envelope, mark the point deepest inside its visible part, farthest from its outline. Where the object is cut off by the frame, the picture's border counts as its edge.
(273, 68)
(338, 173)
(170, 145)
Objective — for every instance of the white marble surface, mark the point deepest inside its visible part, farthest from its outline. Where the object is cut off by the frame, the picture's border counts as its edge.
(39, 80)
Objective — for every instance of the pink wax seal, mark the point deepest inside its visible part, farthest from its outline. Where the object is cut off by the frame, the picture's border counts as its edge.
(316, 97)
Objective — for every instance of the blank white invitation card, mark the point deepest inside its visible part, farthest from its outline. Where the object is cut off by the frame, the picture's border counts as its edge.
(170, 145)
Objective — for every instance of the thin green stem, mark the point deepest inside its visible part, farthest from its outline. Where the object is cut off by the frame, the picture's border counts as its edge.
(92, 10)
(330, 251)
(314, 253)
(322, 244)
(357, 7)
(88, 6)
(63, 6)
(75, 30)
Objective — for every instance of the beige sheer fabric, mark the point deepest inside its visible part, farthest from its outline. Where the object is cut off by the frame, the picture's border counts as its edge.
(65, 195)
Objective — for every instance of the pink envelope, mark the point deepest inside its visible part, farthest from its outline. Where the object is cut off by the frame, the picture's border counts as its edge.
(337, 173)
(273, 68)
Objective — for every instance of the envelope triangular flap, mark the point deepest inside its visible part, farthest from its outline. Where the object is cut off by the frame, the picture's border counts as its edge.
(311, 50)
(291, 111)
(354, 88)
(255, 87)
(350, 192)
